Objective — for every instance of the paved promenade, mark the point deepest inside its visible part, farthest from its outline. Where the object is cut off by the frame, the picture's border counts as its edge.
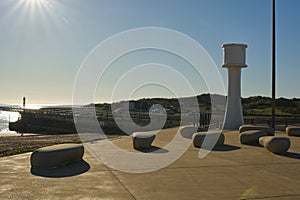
(233, 172)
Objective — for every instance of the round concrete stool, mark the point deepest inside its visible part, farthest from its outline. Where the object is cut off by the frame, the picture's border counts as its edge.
(276, 145)
(293, 131)
(198, 138)
(56, 155)
(143, 140)
(253, 136)
(270, 131)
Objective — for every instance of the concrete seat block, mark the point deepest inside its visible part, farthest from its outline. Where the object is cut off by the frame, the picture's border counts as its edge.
(277, 145)
(198, 138)
(187, 131)
(143, 140)
(293, 131)
(248, 137)
(56, 155)
(269, 130)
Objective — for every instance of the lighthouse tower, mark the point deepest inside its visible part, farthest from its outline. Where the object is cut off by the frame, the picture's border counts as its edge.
(234, 61)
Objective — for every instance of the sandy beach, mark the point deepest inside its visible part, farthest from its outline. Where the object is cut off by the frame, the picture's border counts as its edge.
(14, 143)
(12, 133)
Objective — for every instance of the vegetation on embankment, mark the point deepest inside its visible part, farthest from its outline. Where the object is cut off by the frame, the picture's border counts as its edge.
(261, 106)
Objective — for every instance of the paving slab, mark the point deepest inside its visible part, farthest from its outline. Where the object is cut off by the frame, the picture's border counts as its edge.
(232, 182)
(17, 182)
(234, 171)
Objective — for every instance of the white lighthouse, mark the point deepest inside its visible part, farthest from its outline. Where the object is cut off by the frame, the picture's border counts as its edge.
(234, 61)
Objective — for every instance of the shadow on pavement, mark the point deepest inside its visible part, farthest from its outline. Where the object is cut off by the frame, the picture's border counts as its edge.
(154, 149)
(224, 147)
(291, 155)
(72, 169)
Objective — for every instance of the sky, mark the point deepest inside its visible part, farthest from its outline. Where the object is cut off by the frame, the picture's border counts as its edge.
(43, 43)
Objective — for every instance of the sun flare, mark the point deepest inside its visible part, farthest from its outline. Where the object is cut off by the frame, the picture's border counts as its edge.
(33, 1)
(32, 4)
(40, 10)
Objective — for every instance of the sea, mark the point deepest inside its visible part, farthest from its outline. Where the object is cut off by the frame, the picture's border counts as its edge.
(7, 116)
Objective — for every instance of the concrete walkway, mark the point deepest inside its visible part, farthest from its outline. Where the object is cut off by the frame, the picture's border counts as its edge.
(233, 172)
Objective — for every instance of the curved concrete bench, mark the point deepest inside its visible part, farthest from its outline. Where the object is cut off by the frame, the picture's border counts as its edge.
(143, 140)
(198, 138)
(56, 155)
(248, 137)
(293, 131)
(269, 130)
(276, 145)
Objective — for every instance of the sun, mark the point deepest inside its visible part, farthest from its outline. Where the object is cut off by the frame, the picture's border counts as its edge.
(47, 12)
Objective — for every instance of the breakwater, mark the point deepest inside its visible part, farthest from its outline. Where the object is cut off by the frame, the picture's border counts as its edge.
(61, 120)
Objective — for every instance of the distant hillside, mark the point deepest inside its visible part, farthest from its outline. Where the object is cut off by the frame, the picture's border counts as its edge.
(259, 105)
(252, 106)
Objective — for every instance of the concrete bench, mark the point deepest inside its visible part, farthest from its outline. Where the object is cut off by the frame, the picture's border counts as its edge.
(198, 138)
(276, 145)
(249, 137)
(188, 131)
(269, 130)
(293, 131)
(143, 140)
(56, 156)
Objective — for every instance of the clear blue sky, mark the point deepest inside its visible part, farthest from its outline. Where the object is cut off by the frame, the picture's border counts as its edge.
(43, 42)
